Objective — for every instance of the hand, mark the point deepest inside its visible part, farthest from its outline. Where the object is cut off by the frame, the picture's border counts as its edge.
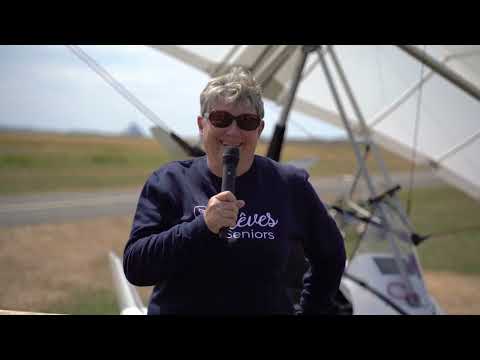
(222, 211)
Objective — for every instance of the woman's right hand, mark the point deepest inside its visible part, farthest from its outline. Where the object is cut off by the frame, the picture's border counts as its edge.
(222, 211)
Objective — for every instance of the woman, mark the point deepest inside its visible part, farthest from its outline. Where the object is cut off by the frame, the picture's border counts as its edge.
(174, 243)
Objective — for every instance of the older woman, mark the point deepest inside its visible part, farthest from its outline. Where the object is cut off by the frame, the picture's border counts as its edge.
(174, 243)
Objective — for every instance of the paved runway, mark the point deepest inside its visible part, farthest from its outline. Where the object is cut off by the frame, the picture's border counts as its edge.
(65, 207)
(72, 206)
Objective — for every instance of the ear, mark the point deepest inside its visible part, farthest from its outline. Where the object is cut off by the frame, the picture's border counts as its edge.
(260, 128)
(200, 124)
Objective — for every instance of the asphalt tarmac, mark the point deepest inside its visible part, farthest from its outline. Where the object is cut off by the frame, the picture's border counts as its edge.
(64, 207)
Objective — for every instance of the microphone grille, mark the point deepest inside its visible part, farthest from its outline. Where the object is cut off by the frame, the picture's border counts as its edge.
(231, 153)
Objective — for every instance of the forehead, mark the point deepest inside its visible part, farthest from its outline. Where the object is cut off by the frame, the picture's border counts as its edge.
(235, 108)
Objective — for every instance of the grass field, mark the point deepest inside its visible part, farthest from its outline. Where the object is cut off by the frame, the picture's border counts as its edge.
(50, 162)
(451, 218)
(31, 163)
(64, 268)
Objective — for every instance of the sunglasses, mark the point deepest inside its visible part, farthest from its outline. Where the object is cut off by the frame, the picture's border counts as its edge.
(223, 119)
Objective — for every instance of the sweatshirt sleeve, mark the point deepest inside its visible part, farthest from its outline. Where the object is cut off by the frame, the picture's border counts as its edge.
(158, 245)
(325, 251)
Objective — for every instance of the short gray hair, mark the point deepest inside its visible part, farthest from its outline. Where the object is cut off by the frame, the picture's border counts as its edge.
(236, 86)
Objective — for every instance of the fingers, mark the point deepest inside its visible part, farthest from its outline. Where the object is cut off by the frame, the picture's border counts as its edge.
(228, 206)
(226, 196)
(217, 220)
(228, 221)
(222, 211)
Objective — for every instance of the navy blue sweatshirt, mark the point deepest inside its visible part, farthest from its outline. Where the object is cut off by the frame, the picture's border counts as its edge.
(195, 272)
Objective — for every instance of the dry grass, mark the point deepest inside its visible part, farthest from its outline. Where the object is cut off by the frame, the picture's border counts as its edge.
(42, 265)
(53, 141)
(457, 294)
(46, 267)
(335, 158)
(31, 162)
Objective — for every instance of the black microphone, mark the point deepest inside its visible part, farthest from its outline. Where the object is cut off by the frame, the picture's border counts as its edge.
(231, 156)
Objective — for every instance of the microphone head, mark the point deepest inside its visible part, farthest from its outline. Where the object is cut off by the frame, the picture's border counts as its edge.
(231, 154)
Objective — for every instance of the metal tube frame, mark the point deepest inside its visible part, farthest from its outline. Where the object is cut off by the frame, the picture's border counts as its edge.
(274, 150)
(442, 70)
(366, 133)
(293, 89)
(364, 170)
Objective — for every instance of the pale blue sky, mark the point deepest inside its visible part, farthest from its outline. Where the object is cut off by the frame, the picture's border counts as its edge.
(48, 87)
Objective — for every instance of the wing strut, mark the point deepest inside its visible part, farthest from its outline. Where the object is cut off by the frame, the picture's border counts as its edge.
(275, 148)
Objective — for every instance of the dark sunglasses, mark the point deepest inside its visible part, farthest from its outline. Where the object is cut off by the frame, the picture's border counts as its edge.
(223, 119)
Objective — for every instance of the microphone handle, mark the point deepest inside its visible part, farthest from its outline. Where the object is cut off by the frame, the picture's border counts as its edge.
(228, 178)
(228, 184)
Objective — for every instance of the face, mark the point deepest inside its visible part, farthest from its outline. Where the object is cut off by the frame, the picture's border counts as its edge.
(215, 138)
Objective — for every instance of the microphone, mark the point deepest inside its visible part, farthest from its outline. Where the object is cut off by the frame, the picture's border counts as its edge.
(231, 156)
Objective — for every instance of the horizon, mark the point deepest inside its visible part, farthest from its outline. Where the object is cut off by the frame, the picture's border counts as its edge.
(149, 135)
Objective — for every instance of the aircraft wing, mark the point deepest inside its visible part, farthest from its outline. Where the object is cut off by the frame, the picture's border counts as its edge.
(406, 105)
(129, 301)
(188, 57)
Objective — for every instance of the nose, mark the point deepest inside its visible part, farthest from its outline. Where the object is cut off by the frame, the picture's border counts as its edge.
(233, 129)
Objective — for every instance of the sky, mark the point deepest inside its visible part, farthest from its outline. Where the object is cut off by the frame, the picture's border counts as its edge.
(47, 87)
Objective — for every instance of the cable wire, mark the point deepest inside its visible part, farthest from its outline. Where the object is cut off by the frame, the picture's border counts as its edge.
(415, 140)
(117, 86)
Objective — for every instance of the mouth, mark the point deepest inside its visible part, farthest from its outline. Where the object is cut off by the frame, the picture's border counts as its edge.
(224, 143)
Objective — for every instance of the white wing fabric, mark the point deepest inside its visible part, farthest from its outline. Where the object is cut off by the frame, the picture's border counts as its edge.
(395, 93)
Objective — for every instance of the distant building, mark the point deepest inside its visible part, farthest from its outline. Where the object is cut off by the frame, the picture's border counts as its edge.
(133, 130)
